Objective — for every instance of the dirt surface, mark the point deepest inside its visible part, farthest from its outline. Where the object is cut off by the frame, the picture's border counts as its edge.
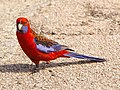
(91, 27)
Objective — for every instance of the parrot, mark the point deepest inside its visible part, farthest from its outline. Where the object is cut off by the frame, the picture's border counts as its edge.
(39, 48)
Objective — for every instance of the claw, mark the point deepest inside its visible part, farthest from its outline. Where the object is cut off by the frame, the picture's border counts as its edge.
(35, 69)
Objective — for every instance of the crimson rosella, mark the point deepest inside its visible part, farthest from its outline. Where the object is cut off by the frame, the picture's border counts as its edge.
(39, 48)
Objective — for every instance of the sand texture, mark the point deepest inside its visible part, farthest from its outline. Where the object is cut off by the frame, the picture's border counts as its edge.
(90, 27)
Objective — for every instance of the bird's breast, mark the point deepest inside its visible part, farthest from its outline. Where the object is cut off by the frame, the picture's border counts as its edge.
(27, 43)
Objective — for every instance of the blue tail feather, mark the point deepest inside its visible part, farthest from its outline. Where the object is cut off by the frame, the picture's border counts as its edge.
(81, 56)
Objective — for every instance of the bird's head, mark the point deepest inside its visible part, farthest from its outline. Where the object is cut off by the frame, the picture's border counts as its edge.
(22, 25)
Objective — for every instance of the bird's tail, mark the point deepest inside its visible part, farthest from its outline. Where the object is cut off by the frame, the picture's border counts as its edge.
(81, 56)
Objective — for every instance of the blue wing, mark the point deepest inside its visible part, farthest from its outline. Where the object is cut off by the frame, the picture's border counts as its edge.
(52, 48)
(46, 45)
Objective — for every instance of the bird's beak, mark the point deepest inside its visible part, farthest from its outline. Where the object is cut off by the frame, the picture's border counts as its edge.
(20, 26)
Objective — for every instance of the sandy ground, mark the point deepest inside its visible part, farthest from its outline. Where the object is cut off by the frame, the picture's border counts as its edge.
(90, 27)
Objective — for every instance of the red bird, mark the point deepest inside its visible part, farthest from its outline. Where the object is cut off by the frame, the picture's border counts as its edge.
(39, 48)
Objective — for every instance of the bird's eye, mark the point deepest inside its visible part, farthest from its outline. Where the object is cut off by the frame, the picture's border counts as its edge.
(25, 23)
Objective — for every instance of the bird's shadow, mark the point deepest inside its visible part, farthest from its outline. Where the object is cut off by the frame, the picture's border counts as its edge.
(16, 68)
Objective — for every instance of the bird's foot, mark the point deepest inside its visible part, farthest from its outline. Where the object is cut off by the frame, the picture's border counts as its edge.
(35, 69)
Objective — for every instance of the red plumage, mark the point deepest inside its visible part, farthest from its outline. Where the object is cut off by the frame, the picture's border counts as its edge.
(26, 41)
(39, 48)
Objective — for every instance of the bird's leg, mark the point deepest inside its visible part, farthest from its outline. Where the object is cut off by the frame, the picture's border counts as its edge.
(36, 68)
(37, 65)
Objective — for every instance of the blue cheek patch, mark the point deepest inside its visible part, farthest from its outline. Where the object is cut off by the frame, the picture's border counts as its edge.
(25, 29)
